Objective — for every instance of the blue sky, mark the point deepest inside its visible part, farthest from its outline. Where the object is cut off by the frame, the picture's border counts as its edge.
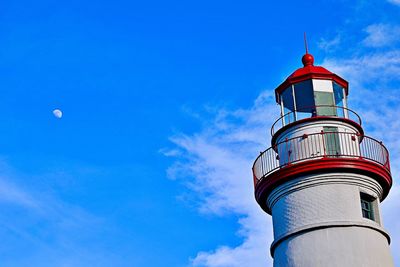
(166, 105)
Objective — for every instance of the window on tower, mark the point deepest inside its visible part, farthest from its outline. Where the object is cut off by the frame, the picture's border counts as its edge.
(367, 207)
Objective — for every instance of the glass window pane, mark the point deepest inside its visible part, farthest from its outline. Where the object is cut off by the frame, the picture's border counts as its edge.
(288, 105)
(367, 207)
(305, 105)
(287, 99)
(324, 103)
(363, 204)
(365, 214)
(338, 93)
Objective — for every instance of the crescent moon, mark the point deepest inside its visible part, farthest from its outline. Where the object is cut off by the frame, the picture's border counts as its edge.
(57, 113)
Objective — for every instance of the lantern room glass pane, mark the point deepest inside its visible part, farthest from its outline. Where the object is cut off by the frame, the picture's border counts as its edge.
(338, 92)
(288, 105)
(305, 105)
(324, 99)
(324, 103)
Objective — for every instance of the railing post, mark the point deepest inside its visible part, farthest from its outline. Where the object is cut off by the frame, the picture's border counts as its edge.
(384, 158)
(255, 180)
(359, 145)
(323, 142)
(262, 163)
(288, 149)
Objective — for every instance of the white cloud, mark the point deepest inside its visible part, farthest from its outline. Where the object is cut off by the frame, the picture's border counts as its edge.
(14, 195)
(396, 2)
(34, 216)
(366, 69)
(252, 252)
(329, 44)
(380, 35)
(218, 162)
(41, 205)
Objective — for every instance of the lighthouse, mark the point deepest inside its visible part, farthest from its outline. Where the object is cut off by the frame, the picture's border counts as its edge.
(323, 178)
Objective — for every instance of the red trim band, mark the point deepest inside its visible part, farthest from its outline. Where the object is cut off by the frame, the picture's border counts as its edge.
(362, 166)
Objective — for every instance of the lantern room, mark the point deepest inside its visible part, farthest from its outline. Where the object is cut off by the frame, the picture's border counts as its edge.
(312, 91)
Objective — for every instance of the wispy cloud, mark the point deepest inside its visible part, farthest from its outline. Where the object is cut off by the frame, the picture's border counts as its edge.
(380, 35)
(14, 195)
(217, 164)
(38, 217)
(381, 67)
(396, 2)
(40, 203)
(329, 44)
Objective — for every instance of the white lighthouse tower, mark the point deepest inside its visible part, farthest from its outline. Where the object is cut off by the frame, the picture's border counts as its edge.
(323, 179)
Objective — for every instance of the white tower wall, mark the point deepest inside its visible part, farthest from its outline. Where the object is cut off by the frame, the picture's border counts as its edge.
(318, 221)
(315, 127)
(335, 247)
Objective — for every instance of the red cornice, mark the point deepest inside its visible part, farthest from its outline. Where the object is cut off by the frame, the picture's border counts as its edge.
(264, 187)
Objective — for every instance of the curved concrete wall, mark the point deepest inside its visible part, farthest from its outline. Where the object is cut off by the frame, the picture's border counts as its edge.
(335, 247)
(318, 221)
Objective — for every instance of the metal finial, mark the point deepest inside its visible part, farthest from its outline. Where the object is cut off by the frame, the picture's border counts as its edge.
(305, 42)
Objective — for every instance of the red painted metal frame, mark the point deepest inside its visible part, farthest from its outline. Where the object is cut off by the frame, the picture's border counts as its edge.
(323, 165)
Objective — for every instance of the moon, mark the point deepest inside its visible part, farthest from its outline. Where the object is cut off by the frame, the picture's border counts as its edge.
(57, 113)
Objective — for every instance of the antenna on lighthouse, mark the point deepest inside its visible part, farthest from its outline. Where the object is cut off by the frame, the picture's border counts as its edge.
(307, 59)
(305, 42)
